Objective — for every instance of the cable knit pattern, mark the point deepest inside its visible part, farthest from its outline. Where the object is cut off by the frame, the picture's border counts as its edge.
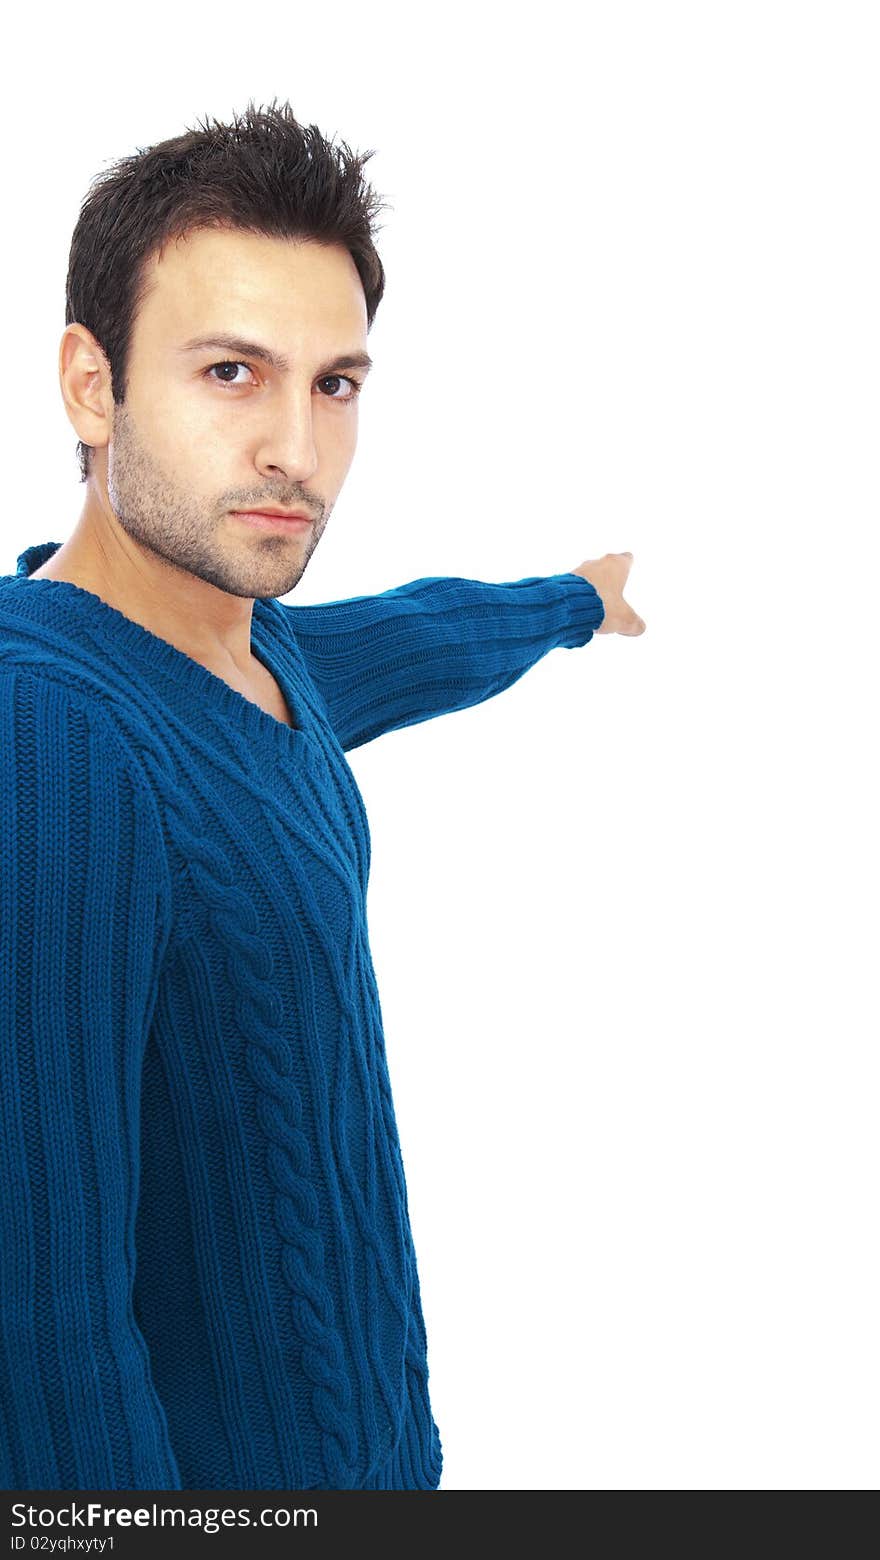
(209, 1275)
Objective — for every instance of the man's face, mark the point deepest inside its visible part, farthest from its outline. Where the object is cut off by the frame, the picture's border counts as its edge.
(194, 441)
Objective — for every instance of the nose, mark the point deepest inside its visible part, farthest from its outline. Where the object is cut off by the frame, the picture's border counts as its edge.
(288, 441)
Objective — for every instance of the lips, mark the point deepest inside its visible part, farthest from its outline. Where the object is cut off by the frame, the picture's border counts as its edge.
(275, 514)
(261, 521)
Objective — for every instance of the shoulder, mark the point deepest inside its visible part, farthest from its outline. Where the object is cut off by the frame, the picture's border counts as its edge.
(56, 733)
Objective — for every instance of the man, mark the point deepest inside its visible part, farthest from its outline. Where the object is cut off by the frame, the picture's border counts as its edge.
(209, 1276)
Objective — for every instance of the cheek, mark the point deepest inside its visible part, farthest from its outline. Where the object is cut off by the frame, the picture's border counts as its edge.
(196, 437)
(341, 440)
(172, 422)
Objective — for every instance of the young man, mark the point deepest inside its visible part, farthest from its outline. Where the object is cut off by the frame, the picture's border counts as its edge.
(209, 1279)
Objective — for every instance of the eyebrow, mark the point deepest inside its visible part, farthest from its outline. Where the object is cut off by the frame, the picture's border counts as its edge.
(277, 360)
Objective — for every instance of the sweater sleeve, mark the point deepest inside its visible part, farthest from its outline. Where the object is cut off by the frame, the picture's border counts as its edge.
(435, 645)
(81, 930)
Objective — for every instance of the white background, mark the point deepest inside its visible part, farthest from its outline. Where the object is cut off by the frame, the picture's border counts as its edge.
(623, 915)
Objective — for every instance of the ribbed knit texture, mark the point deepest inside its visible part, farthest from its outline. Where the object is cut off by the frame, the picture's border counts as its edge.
(208, 1272)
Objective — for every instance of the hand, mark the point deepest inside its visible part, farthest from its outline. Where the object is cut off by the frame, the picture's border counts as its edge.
(608, 575)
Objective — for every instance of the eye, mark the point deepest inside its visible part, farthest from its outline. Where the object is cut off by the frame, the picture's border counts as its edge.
(233, 382)
(342, 379)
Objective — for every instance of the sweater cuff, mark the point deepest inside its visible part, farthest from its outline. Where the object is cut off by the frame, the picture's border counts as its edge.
(586, 610)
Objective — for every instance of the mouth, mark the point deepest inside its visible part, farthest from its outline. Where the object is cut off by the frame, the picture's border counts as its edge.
(263, 519)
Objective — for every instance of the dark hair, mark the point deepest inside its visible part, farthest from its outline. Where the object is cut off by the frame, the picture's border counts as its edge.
(263, 173)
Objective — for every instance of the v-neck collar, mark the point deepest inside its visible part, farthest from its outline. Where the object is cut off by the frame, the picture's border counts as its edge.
(83, 609)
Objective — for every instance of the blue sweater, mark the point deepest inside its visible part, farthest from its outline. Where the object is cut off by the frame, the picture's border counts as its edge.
(208, 1272)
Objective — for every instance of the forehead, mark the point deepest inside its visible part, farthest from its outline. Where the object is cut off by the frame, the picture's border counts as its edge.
(251, 283)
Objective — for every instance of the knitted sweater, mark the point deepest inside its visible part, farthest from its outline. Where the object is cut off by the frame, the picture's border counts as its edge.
(208, 1272)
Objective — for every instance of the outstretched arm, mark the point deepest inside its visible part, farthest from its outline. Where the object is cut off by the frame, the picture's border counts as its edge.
(435, 645)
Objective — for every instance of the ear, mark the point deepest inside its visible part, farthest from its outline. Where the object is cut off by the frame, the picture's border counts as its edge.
(86, 385)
